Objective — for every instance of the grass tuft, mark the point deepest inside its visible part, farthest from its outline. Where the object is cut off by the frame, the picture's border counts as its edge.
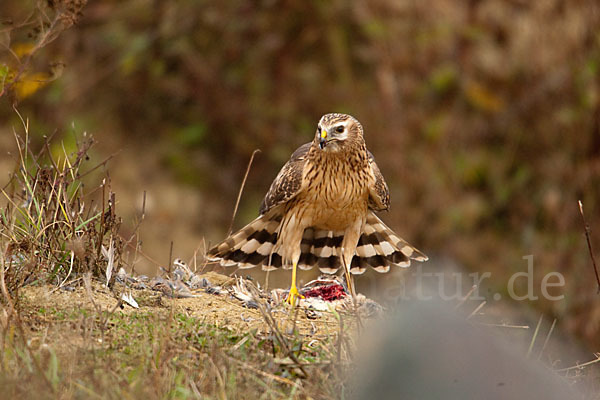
(51, 228)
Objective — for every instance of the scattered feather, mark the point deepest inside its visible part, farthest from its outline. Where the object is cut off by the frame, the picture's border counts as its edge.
(128, 299)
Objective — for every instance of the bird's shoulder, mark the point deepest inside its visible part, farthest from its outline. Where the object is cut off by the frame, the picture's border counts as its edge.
(300, 153)
(288, 181)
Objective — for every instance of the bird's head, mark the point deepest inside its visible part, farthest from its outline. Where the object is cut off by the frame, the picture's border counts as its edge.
(336, 131)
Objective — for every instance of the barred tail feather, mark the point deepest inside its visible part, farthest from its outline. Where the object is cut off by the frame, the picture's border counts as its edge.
(254, 245)
(251, 246)
(307, 256)
(380, 248)
(328, 251)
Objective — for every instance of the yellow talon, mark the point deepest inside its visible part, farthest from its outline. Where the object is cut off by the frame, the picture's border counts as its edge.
(293, 295)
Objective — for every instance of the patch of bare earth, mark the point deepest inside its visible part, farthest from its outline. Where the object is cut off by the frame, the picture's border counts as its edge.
(220, 309)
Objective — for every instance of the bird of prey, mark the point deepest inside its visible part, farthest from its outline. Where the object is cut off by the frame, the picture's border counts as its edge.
(319, 211)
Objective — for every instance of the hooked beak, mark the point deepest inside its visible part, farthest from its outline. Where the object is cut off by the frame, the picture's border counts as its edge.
(323, 139)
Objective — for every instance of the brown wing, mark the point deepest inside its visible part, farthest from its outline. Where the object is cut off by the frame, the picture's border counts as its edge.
(288, 182)
(379, 194)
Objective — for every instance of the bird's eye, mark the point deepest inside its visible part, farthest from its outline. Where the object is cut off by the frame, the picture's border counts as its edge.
(339, 129)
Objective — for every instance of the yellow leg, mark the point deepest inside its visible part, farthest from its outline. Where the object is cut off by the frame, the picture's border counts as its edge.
(349, 279)
(350, 282)
(294, 293)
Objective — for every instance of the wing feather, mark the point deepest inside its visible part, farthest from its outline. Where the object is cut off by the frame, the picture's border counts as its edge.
(288, 182)
(379, 194)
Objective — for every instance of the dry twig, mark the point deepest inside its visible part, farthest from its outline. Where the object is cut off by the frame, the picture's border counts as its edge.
(237, 202)
(535, 333)
(589, 243)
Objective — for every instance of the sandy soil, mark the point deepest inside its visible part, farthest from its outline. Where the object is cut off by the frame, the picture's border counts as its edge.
(222, 309)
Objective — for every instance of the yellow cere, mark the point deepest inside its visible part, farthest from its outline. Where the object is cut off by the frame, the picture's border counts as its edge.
(323, 134)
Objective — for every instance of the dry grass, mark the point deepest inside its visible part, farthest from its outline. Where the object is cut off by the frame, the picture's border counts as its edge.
(78, 351)
(50, 228)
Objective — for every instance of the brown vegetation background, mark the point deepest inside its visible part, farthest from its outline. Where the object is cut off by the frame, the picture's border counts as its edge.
(483, 115)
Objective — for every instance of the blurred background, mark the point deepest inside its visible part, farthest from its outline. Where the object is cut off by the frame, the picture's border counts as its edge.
(483, 115)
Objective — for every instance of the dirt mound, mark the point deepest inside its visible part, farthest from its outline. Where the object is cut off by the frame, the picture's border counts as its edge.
(222, 301)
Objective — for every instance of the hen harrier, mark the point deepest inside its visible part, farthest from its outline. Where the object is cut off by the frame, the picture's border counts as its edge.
(320, 211)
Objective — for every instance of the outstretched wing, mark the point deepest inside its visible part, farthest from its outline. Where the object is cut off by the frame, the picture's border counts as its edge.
(288, 182)
(379, 194)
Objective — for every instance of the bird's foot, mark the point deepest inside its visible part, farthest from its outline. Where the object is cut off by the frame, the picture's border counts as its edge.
(293, 295)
